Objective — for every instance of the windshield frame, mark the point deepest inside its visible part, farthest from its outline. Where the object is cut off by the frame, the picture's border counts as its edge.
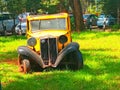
(51, 26)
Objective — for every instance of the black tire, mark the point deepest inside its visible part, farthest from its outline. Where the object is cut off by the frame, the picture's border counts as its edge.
(4, 33)
(76, 60)
(26, 66)
(73, 61)
(100, 27)
(13, 29)
(79, 60)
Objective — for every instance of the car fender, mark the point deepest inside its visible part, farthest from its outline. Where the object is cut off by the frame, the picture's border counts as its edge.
(72, 47)
(24, 50)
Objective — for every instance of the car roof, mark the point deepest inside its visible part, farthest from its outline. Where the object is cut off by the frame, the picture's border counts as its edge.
(5, 13)
(47, 16)
(87, 15)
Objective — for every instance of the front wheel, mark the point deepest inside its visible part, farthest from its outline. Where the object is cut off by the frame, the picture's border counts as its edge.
(74, 61)
(25, 66)
(79, 60)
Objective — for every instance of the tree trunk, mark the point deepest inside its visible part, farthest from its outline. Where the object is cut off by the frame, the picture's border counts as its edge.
(118, 15)
(77, 11)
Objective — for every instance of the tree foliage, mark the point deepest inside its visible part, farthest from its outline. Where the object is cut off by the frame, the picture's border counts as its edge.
(111, 6)
(2, 5)
(33, 7)
(16, 6)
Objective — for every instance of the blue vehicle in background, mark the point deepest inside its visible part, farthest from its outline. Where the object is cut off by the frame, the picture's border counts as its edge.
(8, 21)
(87, 18)
(110, 20)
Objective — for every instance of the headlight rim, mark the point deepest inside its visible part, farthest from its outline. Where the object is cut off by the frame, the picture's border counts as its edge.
(63, 39)
(32, 41)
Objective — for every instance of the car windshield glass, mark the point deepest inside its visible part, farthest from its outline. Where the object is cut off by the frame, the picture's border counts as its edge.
(7, 16)
(54, 24)
(85, 16)
(102, 16)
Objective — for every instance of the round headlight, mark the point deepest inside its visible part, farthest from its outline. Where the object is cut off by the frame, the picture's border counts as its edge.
(63, 39)
(31, 41)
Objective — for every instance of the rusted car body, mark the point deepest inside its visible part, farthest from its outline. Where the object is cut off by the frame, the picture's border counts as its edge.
(49, 44)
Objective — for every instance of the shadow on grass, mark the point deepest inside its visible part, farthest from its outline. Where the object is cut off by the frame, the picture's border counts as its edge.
(104, 77)
(63, 80)
(100, 72)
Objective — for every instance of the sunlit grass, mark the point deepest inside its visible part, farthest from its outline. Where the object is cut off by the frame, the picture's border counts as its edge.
(101, 54)
(9, 45)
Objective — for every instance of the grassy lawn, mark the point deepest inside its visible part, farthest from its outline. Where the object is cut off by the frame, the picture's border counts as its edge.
(8, 46)
(101, 53)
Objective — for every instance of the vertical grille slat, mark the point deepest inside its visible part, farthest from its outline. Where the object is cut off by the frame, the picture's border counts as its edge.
(48, 50)
(44, 49)
(53, 49)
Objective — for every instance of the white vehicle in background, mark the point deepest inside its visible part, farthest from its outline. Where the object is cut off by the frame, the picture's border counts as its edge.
(110, 20)
(22, 17)
(21, 28)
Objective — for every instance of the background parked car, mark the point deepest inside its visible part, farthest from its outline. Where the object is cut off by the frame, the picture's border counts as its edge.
(87, 17)
(22, 17)
(109, 20)
(7, 22)
(21, 28)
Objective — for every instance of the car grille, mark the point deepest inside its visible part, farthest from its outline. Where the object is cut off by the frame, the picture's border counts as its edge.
(49, 50)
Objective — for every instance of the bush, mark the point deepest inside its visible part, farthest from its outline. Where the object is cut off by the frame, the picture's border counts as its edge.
(72, 21)
(115, 27)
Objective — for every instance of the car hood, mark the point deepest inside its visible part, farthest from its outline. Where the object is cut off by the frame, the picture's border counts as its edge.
(50, 33)
(100, 19)
(22, 24)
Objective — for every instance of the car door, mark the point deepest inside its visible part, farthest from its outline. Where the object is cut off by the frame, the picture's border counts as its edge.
(111, 20)
(94, 20)
(8, 22)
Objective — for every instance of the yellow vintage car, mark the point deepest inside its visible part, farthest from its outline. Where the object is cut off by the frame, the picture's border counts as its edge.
(49, 44)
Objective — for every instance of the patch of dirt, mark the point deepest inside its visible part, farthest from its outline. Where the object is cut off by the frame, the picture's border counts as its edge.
(13, 62)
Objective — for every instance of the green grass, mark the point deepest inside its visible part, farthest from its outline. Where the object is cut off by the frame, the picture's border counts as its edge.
(8, 46)
(101, 53)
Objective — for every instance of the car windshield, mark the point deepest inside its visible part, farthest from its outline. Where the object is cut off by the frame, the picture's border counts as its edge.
(54, 24)
(102, 16)
(7, 16)
(85, 16)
